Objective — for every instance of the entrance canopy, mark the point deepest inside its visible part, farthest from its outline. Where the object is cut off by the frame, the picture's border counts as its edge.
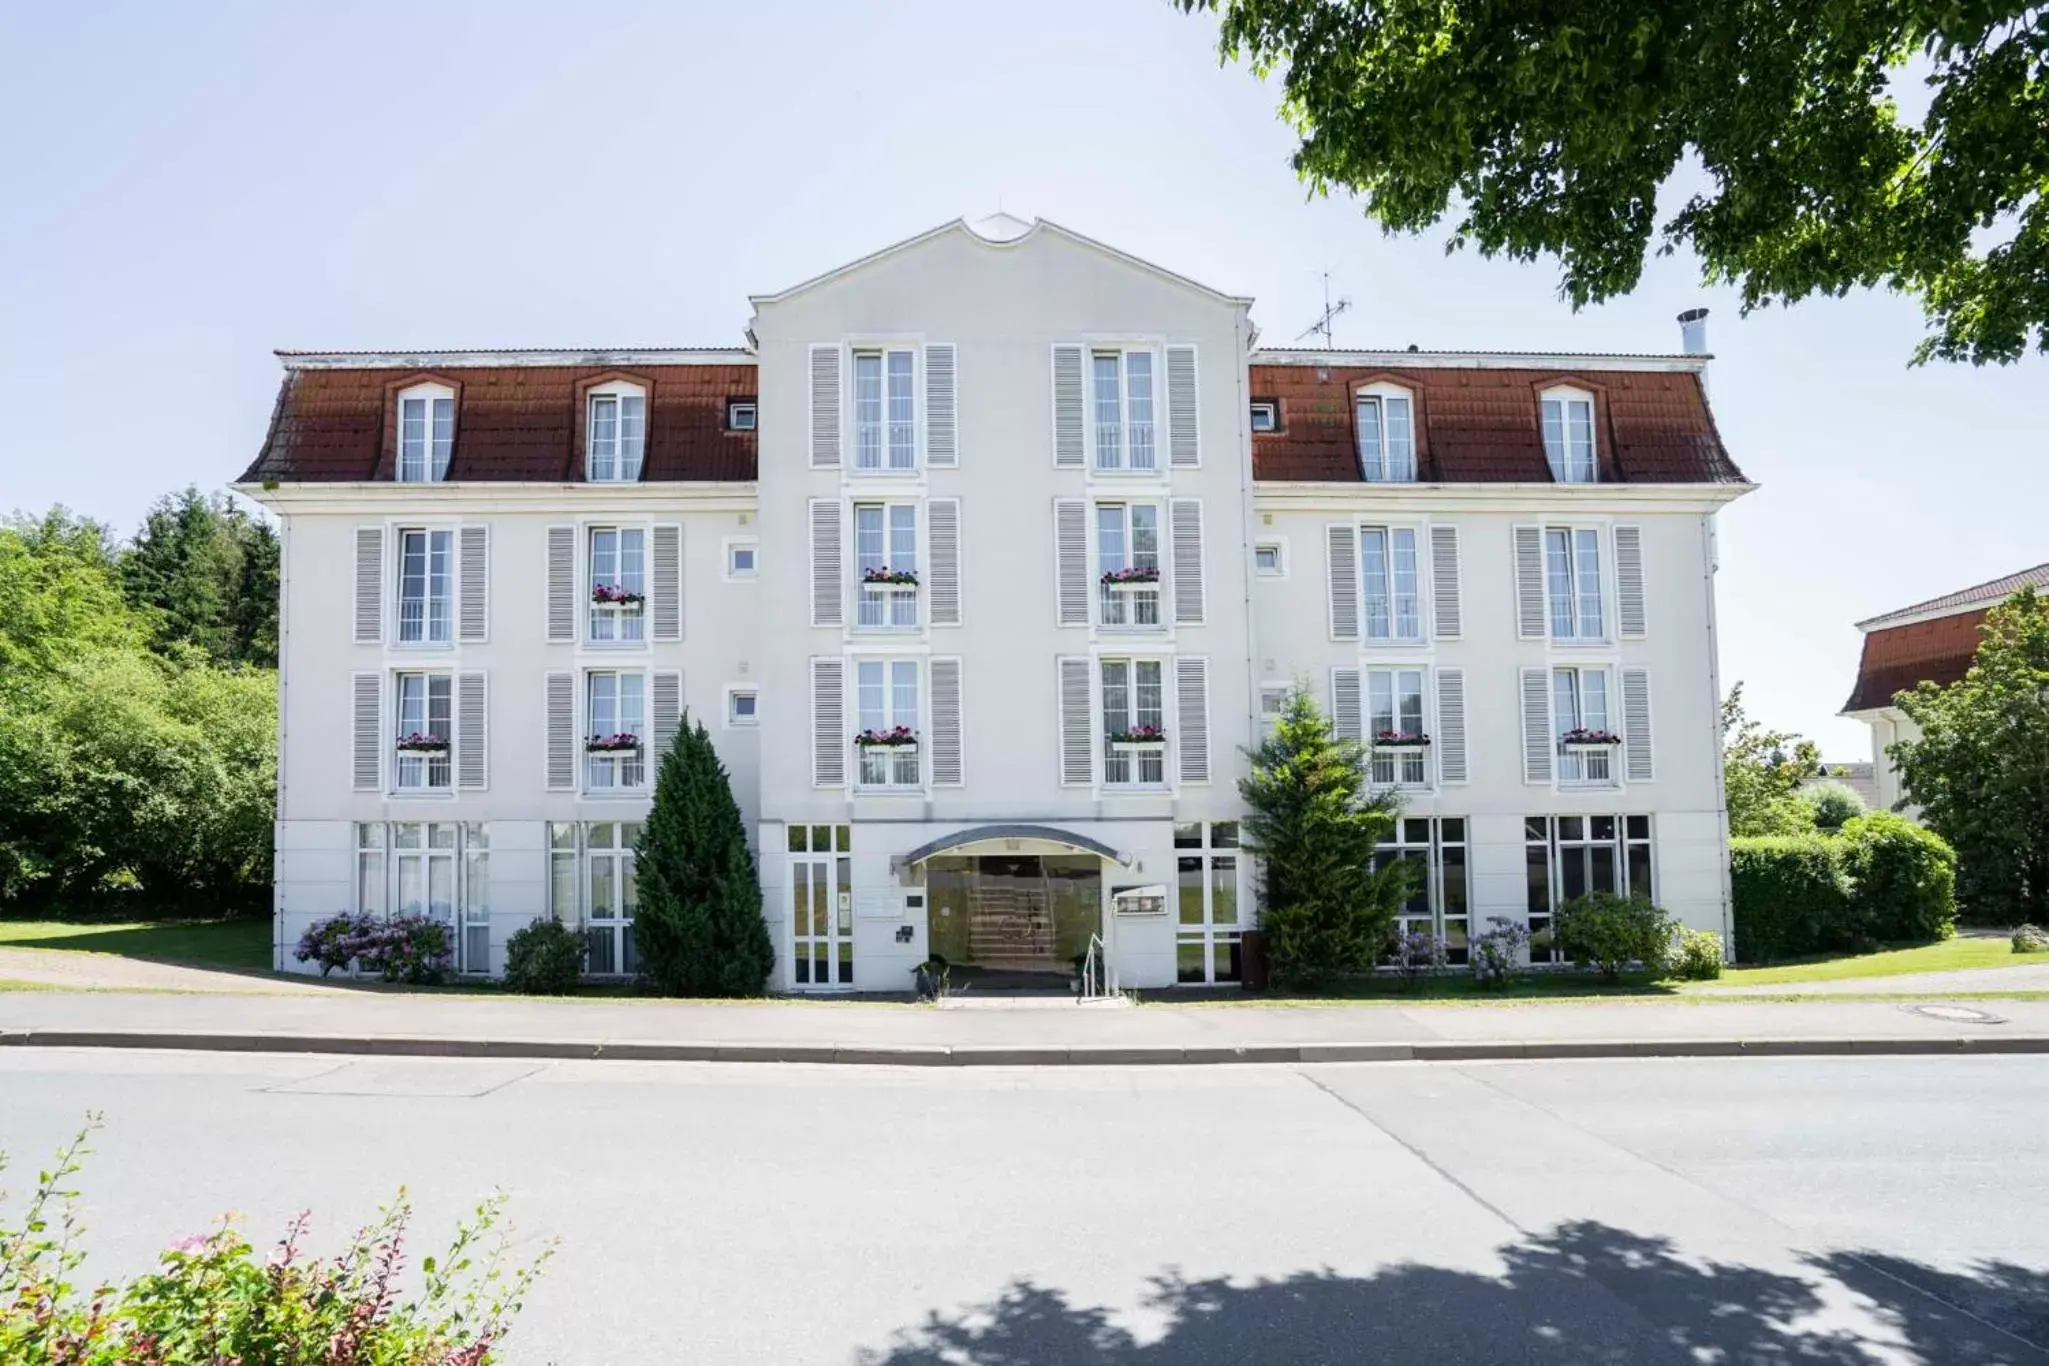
(1026, 839)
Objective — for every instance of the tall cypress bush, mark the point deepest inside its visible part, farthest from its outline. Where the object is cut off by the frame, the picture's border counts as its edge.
(699, 929)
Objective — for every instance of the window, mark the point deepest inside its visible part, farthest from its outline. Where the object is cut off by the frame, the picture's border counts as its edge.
(1569, 435)
(423, 731)
(821, 906)
(1207, 935)
(432, 869)
(426, 433)
(1436, 849)
(618, 573)
(1387, 557)
(618, 435)
(1394, 705)
(1134, 742)
(1572, 583)
(1387, 437)
(743, 707)
(1266, 414)
(886, 565)
(741, 414)
(1579, 714)
(741, 559)
(473, 944)
(591, 885)
(1569, 856)
(423, 586)
(1128, 564)
(1268, 559)
(615, 741)
(885, 413)
(1273, 701)
(1122, 384)
(887, 693)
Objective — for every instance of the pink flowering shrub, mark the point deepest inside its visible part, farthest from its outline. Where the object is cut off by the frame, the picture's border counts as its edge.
(414, 949)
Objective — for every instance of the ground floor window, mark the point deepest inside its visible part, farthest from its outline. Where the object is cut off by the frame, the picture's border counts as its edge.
(592, 884)
(821, 906)
(1570, 856)
(1209, 933)
(438, 869)
(1436, 848)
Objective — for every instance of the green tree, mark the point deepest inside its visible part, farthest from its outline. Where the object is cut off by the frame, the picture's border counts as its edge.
(1550, 129)
(1761, 774)
(1980, 771)
(1313, 824)
(209, 573)
(699, 929)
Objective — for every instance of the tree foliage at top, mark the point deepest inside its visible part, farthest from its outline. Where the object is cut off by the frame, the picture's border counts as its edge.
(1980, 771)
(209, 571)
(1762, 771)
(1550, 129)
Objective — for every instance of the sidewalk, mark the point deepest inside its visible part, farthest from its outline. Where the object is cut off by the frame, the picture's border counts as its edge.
(1030, 1033)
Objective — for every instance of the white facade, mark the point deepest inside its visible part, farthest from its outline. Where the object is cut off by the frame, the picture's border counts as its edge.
(1005, 417)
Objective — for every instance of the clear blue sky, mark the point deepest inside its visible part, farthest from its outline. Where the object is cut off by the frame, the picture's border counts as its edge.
(185, 187)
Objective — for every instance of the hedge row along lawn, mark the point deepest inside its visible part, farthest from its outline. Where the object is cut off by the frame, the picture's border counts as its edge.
(239, 945)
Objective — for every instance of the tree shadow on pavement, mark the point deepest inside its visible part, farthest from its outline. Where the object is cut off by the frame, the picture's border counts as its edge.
(1582, 1293)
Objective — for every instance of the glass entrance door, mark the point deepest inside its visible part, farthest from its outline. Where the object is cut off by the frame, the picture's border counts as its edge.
(1013, 913)
(821, 907)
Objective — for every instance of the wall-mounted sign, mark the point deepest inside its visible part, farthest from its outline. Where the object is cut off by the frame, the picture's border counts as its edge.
(1129, 901)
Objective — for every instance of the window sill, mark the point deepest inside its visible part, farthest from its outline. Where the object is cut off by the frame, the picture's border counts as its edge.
(615, 644)
(607, 794)
(885, 471)
(1582, 642)
(422, 794)
(1393, 643)
(424, 646)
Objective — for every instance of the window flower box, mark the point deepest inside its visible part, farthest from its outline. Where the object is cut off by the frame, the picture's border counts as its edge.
(1395, 739)
(896, 737)
(420, 743)
(611, 595)
(1579, 737)
(1140, 740)
(889, 578)
(621, 743)
(1131, 579)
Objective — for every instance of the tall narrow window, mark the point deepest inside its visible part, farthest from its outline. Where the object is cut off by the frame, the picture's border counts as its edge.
(886, 565)
(1125, 423)
(1134, 737)
(1394, 699)
(885, 411)
(1569, 856)
(423, 587)
(426, 434)
(618, 576)
(611, 897)
(1572, 582)
(1579, 713)
(617, 735)
(888, 741)
(1436, 849)
(423, 871)
(1387, 557)
(1569, 436)
(1207, 937)
(1387, 438)
(618, 436)
(1128, 564)
(424, 730)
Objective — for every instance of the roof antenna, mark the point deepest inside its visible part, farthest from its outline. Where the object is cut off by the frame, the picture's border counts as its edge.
(1322, 326)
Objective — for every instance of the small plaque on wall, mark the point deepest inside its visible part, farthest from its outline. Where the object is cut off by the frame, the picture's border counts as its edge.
(1139, 901)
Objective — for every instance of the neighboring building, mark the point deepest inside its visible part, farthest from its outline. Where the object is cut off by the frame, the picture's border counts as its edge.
(1860, 777)
(1044, 507)
(1930, 642)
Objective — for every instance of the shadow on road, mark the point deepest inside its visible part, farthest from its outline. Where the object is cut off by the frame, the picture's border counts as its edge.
(1583, 1293)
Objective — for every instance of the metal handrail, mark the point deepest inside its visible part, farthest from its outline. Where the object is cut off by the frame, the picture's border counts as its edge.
(1091, 971)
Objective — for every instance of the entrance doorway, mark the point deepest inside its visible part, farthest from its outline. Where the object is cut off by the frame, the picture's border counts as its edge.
(1015, 920)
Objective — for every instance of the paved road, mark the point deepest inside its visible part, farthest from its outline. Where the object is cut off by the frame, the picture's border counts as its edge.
(1839, 1211)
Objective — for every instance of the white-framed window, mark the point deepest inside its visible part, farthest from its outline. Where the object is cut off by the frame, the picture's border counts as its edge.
(1394, 725)
(618, 585)
(426, 433)
(1572, 583)
(1270, 559)
(615, 730)
(1387, 435)
(616, 434)
(886, 565)
(436, 869)
(743, 707)
(886, 704)
(885, 410)
(1387, 567)
(1123, 403)
(1580, 717)
(1128, 564)
(1210, 905)
(1570, 856)
(473, 940)
(1569, 435)
(424, 585)
(1134, 734)
(423, 732)
(743, 558)
(1266, 414)
(1273, 701)
(592, 887)
(1436, 848)
(741, 415)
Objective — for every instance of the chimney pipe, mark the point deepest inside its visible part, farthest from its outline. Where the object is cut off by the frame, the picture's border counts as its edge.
(1693, 332)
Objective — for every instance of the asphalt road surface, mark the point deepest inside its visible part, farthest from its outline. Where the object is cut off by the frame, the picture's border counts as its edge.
(1840, 1211)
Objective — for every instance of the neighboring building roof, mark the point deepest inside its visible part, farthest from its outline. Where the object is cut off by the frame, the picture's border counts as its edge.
(1995, 590)
(1478, 422)
(514, 422)
(1896, 658)
(1861, 778)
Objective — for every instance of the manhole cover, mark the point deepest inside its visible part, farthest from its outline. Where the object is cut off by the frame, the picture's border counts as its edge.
(1958, 1014)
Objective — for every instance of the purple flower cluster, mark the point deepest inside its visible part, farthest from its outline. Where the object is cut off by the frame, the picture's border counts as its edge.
(1132, 575)
(1417, 954)
(1397, 737)
(891, 738)
(1138, 735)
(613, 593)
(419, 742)
(399, 948)
(610, 744)
(905, 577)
(1498, 953)
(1582, 735)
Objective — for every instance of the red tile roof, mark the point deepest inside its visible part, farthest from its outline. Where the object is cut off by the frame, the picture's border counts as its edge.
(1896, 658)
(1997, 590)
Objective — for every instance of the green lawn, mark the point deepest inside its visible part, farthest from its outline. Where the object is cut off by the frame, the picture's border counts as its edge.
(1943, 957)
(241, 945)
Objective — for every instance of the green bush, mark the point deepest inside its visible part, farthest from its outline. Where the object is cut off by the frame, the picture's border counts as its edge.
(1833, 804)
(1791, 894)
(544, 959)
(2031, 939)
(1902, 878)
(1609, 932)
(1694, 955)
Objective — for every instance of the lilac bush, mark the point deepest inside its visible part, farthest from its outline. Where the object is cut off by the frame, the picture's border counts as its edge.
(1417, 954)
(414, 949)
(1497, 954)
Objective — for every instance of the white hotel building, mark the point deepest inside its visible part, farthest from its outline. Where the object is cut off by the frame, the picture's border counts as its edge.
(1036, 502)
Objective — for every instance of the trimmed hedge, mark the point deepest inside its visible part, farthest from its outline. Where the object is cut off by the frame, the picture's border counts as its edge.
(1883, 880)
(1904, 879)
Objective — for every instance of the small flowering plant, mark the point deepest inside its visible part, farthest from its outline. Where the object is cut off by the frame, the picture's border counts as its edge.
(1583, 735)
(1134, 575)
(884, 576)
(418, 742)
(1417, 955)
(894, 737)
(612, 594)
(1498, 953)
(1400, 739)
(612, 744)
(1139, 735)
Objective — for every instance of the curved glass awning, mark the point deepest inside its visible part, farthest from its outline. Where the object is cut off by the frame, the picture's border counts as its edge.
(1005, 834)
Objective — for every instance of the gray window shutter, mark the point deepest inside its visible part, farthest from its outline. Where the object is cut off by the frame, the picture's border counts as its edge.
(665, 582)
(825, 407)
(369, 585)
(1191, 705)
(561, 583)
(1636, 726)
(1071, 559)
(1343, 541)
(1183, 445)
(829, 737)
(472, 731)
(946, 723)
(1347, 715)
(827, 593)
(1537, 738)
(1532, 619)
(1451, 725)
(1185, 516)
(1629, 598)
(665, 709)
(368, 749)
(561, 734)
(942, 437)
(1077, 725)
(942, 522)
(1449, 621)
(474, 559)
(1069, 447)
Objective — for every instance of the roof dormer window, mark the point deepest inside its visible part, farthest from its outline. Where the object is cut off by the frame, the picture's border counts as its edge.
(1569, 435)
(616, 434)
(1387, 435)
(426, 433)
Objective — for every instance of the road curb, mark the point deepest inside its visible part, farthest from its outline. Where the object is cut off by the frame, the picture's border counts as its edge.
(947, 1055)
